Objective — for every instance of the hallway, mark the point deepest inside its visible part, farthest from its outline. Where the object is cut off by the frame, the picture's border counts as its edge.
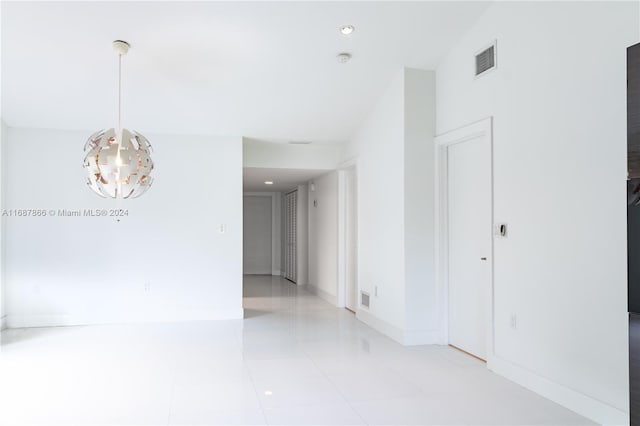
(293, 360)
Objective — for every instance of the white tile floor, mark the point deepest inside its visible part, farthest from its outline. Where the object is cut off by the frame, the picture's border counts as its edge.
(294, 360)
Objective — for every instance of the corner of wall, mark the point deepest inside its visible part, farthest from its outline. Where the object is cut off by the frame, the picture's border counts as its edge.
(419, 206)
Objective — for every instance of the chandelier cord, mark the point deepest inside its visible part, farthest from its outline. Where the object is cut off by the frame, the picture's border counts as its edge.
(119, 92)
(119, 134)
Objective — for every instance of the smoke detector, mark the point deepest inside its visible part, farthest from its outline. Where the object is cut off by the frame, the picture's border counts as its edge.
(343, 58)
(347, 30)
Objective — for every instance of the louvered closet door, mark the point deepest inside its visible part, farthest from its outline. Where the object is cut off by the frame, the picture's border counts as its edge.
(290, 251)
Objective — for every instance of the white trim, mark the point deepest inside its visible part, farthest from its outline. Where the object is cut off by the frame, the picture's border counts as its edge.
(404, 337)
(61, 320)
(576, 401)
(482, 128)
(347, 166)
(421, 337)
(321, 293)
(342, 241)
(380, 325)
(3, 322)
(290, 257)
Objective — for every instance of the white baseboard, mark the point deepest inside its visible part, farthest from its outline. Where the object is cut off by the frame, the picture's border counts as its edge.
(421, 337)
(404, 337)
(582, 404)
(380, 325)
(276, 272)
(322, 294)
(3, 322)
(60, 320)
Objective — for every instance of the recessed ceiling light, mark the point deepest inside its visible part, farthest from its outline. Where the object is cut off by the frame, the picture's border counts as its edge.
(268, 182)
(347, 29)
(343, 58)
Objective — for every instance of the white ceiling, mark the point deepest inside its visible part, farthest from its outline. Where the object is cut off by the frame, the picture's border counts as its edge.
(283, 179)
(257, 69)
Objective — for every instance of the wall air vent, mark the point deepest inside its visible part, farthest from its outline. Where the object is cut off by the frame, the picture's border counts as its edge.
(364, 299)
(486, 60)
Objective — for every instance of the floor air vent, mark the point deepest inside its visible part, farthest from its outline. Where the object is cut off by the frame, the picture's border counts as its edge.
(486, 60)
(364, 299)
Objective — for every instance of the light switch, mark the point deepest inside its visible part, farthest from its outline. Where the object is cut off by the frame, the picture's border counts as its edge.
(500, 230)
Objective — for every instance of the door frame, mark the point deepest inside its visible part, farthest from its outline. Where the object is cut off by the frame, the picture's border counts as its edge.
(285, 240)
(343, 168)
(483, 129)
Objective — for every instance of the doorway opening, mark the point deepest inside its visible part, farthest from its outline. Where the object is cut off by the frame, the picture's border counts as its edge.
(276, 224)
(257, 238)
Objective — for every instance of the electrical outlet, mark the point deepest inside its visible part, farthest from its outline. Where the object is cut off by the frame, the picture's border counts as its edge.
(222, 228)
(147, 287)
(514, 321)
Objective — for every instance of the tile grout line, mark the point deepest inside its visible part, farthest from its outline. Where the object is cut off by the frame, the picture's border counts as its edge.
(255, 389)
(336, 387)
(174, 380)
(253, 383)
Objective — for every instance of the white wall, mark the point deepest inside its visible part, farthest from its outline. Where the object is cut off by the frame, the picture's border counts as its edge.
(394, 152)
(302, 235)
(323, 237)
(271, 155)
(379, 148)
(421, 297)
(256, 235)
(76, 270)
(3, 143)
(558, 100)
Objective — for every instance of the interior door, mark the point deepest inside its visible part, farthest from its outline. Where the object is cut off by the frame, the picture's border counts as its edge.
(257, 235)
(352, 240)
(469, 242)
(291, 226)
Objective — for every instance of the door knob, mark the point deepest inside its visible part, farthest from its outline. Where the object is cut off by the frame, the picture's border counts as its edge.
(483, 258)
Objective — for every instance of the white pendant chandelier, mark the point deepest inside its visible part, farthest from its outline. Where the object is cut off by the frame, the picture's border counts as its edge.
(118, 160)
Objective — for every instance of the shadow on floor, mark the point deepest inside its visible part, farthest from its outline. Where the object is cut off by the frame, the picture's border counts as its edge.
(17, 335)
(252, 313)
